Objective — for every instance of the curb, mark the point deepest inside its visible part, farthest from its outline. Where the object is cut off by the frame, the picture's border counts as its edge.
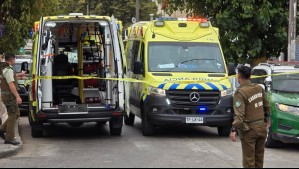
(7, 151)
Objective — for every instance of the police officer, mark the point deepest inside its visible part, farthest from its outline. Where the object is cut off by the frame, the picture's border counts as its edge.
(10, 98)
(252, 112)
(3, 113)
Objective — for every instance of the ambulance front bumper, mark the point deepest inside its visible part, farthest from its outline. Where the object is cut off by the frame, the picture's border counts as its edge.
(160, 111)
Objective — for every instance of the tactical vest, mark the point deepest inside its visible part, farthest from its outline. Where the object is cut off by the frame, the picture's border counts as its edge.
(4, 84)
(253, 94)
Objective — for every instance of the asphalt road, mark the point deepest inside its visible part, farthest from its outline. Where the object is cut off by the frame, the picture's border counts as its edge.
(91, 146)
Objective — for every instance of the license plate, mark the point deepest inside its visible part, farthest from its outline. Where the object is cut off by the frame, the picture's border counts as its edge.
(78, 109)
(194, 120)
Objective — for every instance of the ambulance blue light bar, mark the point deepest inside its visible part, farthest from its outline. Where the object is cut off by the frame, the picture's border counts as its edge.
(167, 19)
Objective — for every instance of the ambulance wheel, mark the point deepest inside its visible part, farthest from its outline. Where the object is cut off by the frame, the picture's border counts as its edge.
(270, 142)
(224, 131)
(116, 125)
(129, 120)
(30, 119)
(37, 130)
(147, 128)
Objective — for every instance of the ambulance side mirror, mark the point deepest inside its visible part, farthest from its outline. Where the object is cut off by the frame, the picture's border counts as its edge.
(231, 69)
(268, 84)
(25, 67)
(138, 68)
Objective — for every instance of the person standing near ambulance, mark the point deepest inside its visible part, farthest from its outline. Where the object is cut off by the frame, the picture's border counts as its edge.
(252, 112)
(10, 98)
(3, 112)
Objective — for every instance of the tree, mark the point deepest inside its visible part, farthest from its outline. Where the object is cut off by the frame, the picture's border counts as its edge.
(247, 27)
(18, 17)
(123, 10)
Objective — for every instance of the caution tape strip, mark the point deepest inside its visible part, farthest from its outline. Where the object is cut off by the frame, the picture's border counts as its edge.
(148, 82)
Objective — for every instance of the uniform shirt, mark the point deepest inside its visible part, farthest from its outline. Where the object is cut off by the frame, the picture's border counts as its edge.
(250, 104)
(8, 74)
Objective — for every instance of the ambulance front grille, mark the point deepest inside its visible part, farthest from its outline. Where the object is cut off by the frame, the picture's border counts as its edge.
(182, 98)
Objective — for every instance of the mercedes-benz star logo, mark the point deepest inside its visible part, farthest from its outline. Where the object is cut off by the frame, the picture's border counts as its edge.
(194, 97)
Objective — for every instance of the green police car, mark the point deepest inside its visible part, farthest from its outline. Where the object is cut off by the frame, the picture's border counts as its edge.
(283, 96)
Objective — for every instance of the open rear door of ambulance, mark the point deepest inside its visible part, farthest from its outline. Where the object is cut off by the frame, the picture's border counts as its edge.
(119, 60)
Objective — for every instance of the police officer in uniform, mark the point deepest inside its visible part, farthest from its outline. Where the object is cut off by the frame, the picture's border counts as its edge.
(3, 112)
(252, 112)
(10, 98)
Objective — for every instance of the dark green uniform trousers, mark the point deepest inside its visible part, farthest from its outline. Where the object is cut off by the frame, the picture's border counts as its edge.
(13, 112)
(253, 146)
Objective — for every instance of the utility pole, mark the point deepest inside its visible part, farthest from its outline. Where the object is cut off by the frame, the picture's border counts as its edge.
(88, 5)
(137, 10)
(87, 9)
(292, 30)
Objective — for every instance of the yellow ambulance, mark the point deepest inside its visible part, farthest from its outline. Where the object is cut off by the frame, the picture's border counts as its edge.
(73, 55)
(184, 74)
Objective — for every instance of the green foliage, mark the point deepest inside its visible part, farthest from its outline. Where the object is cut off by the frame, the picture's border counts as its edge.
(254, 27)
(19, 16)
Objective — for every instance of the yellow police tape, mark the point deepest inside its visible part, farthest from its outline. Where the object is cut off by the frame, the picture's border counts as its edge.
(147, 82)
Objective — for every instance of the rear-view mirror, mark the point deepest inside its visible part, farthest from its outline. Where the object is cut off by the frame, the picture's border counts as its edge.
(231, 69)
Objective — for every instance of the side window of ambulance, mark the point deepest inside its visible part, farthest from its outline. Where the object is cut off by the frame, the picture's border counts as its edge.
(259, 72)
(142, 52)
(130, 55)
(135, 51)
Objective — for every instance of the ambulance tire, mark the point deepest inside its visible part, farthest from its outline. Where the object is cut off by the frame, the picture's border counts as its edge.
(147, 128)
(116, 125)
(224, 131)
(129, 121)
(30, 119)
(270, 142)
(37, 130)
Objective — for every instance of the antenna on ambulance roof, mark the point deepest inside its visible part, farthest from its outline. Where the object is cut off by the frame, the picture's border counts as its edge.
(151, 17)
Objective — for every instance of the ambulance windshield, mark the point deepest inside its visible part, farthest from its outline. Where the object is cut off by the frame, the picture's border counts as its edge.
(185, 57)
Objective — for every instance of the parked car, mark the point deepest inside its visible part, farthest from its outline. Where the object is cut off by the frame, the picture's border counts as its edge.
(23, 89)
(283, 96)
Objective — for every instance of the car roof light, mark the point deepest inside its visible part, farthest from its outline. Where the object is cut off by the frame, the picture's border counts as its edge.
(50, 24)
(76, 14)
(204, 24)
(159, 23)
(197, 19)
(166, 19)
(182, 19)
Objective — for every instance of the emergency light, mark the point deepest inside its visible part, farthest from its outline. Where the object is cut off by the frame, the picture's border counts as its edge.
(159, 23)
(203, 22)
(50, 24)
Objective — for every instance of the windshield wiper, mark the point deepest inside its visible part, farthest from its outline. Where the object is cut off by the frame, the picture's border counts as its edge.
(187, 62)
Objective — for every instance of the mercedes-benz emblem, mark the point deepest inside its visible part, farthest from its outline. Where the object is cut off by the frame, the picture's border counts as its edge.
(194, 97)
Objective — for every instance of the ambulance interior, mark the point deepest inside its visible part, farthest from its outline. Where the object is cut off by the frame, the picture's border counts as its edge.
(83, 49)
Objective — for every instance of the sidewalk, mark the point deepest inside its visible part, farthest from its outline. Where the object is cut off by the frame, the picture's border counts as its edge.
(7, 150)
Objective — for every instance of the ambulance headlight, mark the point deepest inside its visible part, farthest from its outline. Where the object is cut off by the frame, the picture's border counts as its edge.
(227, 92)
(153, 91)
